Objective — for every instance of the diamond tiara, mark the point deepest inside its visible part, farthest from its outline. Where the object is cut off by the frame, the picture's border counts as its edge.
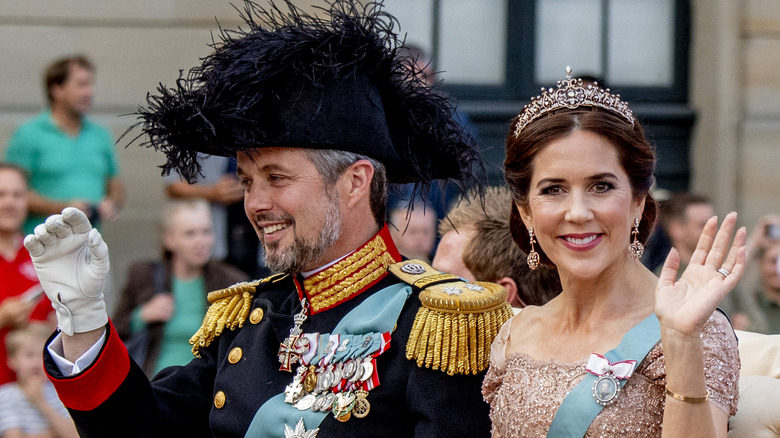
(571, 94)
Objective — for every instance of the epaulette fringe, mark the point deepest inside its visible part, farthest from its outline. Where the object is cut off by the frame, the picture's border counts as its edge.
(229, 308)
(457, 322)
(455, 343)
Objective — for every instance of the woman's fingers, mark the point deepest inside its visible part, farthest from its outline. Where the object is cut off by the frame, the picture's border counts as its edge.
(714, 242)
(669, 270)
(705, 242)
(720, 246)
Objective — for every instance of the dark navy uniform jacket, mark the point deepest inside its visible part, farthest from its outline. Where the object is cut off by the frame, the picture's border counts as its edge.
(113, 397)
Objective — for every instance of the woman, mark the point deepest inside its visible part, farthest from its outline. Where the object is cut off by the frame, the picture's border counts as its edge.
(163, 303)
(619, 351)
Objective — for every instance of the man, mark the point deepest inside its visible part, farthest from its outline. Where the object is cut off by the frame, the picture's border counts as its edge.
(344, 341)
(476, 244)
(20, 294)
(414, 232)
(683, 217)
(70, 159)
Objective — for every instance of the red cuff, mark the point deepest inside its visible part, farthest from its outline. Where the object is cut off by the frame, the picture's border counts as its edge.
(93, 386)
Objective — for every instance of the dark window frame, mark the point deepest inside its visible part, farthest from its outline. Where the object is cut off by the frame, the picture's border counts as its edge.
(520, 83)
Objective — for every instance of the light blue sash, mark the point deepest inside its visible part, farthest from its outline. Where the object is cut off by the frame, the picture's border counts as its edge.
(579, 408)
(378, 313)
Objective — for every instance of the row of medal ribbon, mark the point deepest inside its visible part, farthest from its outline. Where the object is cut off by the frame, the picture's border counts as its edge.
(335, 372)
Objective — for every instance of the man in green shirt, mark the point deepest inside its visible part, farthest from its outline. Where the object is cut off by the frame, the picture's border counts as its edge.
(70, 159)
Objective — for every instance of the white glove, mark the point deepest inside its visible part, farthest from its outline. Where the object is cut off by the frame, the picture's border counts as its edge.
(71, 260)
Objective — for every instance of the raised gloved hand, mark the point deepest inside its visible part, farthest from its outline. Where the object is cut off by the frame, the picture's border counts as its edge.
(71, 260)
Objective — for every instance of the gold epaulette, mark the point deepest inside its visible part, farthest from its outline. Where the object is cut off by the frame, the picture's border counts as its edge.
(229, 308)
(457, 322)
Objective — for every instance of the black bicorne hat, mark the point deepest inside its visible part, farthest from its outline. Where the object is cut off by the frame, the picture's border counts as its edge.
(294, 79)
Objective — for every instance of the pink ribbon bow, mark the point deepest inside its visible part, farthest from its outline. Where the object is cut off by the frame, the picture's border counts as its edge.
(600, 365)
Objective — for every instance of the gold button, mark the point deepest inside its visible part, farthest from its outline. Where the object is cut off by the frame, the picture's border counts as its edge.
(256, 316)
(235, 355)
(219, 400)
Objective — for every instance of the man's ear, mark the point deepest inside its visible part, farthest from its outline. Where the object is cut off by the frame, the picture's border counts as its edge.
(512, 292)
(356, 182)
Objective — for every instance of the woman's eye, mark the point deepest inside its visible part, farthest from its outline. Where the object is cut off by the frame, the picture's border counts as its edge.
(602, 187)
(552, 190)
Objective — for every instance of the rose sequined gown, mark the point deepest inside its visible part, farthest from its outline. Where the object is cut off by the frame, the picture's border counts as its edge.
(525, 393)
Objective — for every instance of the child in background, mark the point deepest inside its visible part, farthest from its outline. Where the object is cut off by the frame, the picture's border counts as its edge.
(29, 407)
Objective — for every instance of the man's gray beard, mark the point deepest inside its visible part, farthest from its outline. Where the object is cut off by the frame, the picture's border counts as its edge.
(301, 253)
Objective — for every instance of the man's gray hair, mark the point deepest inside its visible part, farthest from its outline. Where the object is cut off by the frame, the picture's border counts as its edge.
(331, 164)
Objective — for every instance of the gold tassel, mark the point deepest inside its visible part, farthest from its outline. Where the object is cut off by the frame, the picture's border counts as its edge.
(453, 333)
(229, 308)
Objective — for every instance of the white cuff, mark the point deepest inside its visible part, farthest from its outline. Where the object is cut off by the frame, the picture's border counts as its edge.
(68, 368)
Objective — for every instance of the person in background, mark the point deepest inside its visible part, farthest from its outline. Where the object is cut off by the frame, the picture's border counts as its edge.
(580, 170)
(684, 216)
(21, 297)
(759, 302)
(476, 244)
(70, 160)
(414, 232)
(163, 302)
(234, 240)
(29, 407)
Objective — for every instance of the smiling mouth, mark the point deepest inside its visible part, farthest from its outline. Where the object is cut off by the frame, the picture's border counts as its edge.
(582, 241)
(274, 228)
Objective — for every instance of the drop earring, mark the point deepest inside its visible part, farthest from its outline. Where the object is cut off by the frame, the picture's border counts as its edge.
(533, 256)
(636, 249)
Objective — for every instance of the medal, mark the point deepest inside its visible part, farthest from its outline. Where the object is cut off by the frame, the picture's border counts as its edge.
(318, 403)
(368, 369)
(337, 373)
(607, 386)
(362, 406)
(305, 403)
(329, 399)
(292, 348)
(310, 381)
(343, 405)
(293, 392)
(300, 431)
(349, 370)
(606, 389)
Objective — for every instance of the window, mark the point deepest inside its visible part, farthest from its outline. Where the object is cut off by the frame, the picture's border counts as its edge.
(507, 49)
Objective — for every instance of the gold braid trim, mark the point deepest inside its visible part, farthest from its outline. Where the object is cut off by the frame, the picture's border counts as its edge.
(229, 308)
(349, 276)
(452, 332)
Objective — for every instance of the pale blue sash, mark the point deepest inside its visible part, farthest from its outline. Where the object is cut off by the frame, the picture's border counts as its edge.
(378, 313)
(579, 408)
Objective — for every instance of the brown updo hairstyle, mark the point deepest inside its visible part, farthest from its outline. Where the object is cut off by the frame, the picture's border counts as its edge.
(636, 156)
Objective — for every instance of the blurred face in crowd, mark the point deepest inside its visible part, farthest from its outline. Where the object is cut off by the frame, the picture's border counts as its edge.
(417, 239)
(297, 220)
(27, 361)
(76, 93)
(770, 278)
(685, 233)
(189, 237)
(581, 205)
(449, 253)
(13, 200)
